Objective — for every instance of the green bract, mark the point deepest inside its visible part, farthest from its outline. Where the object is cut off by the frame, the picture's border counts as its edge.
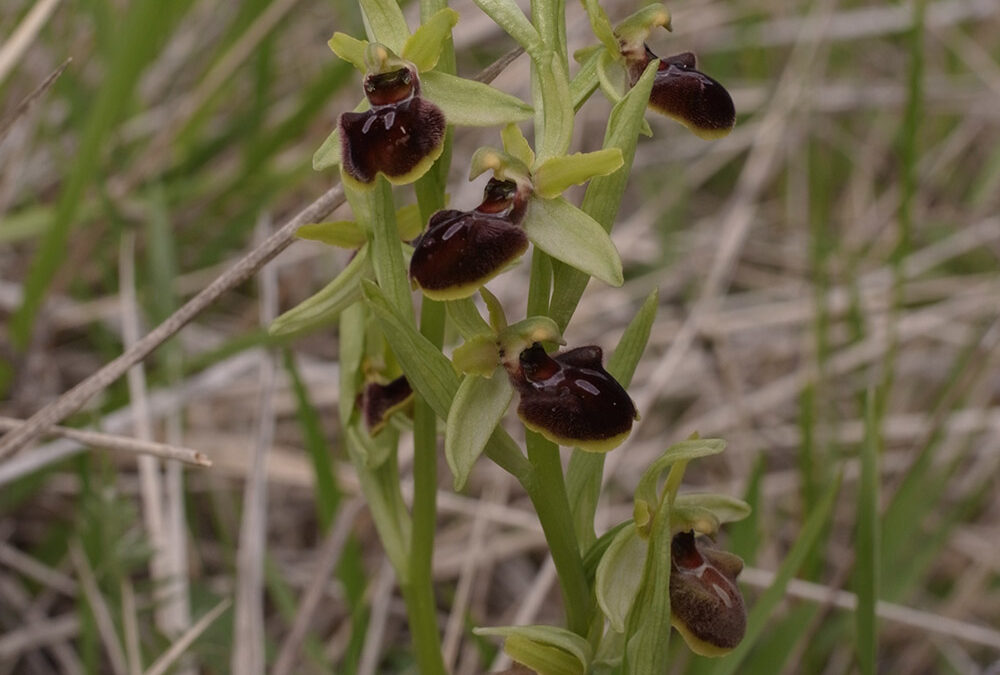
(545, 649)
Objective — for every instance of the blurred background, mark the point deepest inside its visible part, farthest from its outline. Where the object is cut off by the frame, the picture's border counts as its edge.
(829, 281)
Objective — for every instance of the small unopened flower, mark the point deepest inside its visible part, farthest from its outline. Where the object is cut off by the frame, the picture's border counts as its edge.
(462, 250)
(706, 605)
(683, 93)
(570, 399)
(402, 133)
(379, 401)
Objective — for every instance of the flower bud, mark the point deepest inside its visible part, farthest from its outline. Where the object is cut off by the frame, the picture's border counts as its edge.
(685, 94)
(378, 401)
(462, 250)
(706, 606)
(401, 134)
(570, 399)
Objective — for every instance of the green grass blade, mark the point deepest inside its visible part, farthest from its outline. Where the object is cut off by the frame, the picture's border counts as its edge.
(866, 561)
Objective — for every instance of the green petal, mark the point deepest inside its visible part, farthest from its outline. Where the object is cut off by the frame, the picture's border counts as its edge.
(325, 306)
(570, 235)
(384, 22)
(558, 173)
(619, 575)
(475, 412)
(634, 30)
(557, 131)
(601, 25)
(470, 103)
(349, 49)
(423, 48)
(516, 145)
(342, 233)
(521, 335)
(545, 649)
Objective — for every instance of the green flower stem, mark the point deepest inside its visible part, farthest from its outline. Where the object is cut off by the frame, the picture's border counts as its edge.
(540, 286)
(547, 491)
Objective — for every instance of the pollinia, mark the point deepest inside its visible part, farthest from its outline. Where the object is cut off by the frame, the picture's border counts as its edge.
(623, 591)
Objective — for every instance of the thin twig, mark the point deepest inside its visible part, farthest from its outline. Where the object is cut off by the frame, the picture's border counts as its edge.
(130, 626)
(15, 559)
(29, 100)
(22, 37)
(178, 648)
(75, 398)
(121, 443)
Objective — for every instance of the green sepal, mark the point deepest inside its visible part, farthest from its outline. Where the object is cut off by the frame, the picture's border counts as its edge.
(326, 305)
(423, 48)
(516, 145)
(570, 235)
(507, 15)
(466, 317)
(475, 412)
(548, 650)
(723, 509)
(554, 137)
(503, 165)
(521, 335)
(556, 174)
(684, 451)
(341, 233)
(384, 23)
(601, 25)
(349, 49)
(472, 104)
(477, 356)
(619, 575)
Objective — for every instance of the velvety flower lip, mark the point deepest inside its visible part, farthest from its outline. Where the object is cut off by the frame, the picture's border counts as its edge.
(706, 605)
(400, 136)
(683, 93)
(462, 250)
(379, 401)
(570, 399)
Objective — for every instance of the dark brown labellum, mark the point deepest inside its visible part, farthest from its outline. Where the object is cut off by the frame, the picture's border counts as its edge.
(570, 399)
(379, 401)
(462, 250)
(706, 605)
(400, 136)
(687, 95)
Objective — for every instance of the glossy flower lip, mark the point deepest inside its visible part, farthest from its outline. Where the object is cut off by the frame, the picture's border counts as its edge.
(570, 399)
(687, 95)
(400, 136)
(462, 250)
(706, 605)
(379, 401)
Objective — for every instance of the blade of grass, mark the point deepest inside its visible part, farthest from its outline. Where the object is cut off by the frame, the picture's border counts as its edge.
(866, 561)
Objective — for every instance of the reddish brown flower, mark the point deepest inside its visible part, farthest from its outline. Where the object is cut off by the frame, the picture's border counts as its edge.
(706, 605)
(570, 399)
(378, 401)
(682, 92)
(401, 134)
(462, 250)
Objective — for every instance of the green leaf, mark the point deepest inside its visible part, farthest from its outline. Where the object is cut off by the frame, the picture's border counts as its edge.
(349, 49)
(475, 412)
(467, 319)
(470, 103)
(570, 235)
(556, 174)
(423, 48)
(554, 137)
(516, 145)
(342, 233)
(507, 15)
(619, 575)
(323, 307)
(384, 23)
(521, 642)
(768, 601)
(866, 561)
(648, 627)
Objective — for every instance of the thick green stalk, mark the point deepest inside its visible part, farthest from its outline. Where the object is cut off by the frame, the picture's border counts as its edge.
(547, 491)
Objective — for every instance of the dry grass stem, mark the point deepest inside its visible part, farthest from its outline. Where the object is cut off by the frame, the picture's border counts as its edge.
(102, 615)
(177, 649)
(24, 106)
(21, 39)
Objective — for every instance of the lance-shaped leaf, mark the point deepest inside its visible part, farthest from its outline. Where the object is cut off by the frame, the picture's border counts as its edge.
(470, 103)
(546, 649)
(323, 307)
(557, 129)
(384, 23)
(348, 234)
(619, 575)
(478, 407)
(570, 235)
(423, 48)
(556, 174)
